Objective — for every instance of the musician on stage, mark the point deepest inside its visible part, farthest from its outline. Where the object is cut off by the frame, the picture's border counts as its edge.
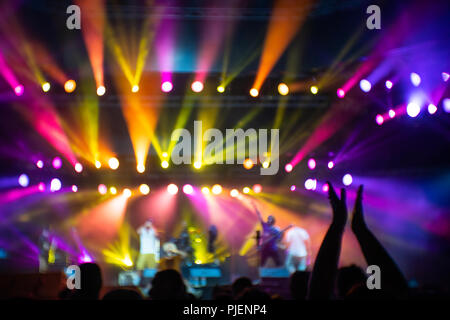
(298, 249)
(270, 239)
(149, 246)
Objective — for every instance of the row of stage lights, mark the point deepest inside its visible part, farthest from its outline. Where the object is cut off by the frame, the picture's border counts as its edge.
(198, 86)
(312, 184)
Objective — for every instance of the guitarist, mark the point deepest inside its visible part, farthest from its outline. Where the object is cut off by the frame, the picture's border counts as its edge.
(271, 237)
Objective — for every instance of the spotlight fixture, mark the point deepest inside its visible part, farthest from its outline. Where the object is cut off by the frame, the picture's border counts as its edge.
(113, 163)
(166, 86)
(221, 89)
(101, 90)
(172, 189)
(248, 164)
(165, 164)
(288, 168)
(283, 89)
(347, 179)
(140, 168)
(234, 193)
(340, 93)
(188, 189)
(18, 90)
(379, 119)
(205, 190)
(254, 92)
(78, 167)
(415, 79)
(23, 180)
(102, 189)
(365, 85)
(311, 164)
(70, 85)
(57, 163)
(413, 109)
(197, 86)
(144, 189)
(55, 185)
(113, 190)
(314, 90)
(45, 86)
(135, 88)
(217, 189)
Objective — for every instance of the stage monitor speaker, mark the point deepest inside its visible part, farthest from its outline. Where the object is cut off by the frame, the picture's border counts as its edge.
(274, 273)
(204, 276)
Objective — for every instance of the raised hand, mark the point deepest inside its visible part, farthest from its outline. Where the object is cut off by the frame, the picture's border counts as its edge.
(358, 222)
(339, 206)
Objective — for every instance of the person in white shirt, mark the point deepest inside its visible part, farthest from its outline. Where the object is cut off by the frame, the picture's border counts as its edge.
(298, 246)
(149, 247)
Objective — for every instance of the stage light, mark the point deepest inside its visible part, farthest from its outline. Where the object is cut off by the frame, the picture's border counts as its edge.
(221, 89)
(197, 86)
(102, 189)
(314, 89)
(101, 90)
(18, 90)
(78, 167)
(246, 190)
(283, 89)
(165, 164)
(144, 189)
(257, 188)
(113, 190)
(389, 84)
(140, 168)
(135, 88)
(347, 179)
(330, 165)
(205, 190)
(254, 92)
(166, 86)
(113, 163)
(365, 85)
(446, 104)
(127, 261)
(432, 108)
(445, 76)
(340, 93)
(325, 187)
(98, 164)
(165, 154)
(46, 86)
(217, 189)
(70, 86)
(379, 119)
(188, 189)
(40, 164)
(413, 109)
(293, 188)
(415, 79)
(24, 181)
(234, 193)
(74, 188)
(310, 184)
(57, 163)
(248, 164)
(172, 189)
(265, 164)
(41, 186)
(55, 185)
(288, 167)
(197, 164)
(391, 113)
(311, 164)
(127, 192)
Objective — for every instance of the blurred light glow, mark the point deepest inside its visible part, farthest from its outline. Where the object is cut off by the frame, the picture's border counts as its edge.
(415, 79)
(379, 119)
(445, 76)
(265, 164)
(135, 88)
(101, 90)
(347, 179)
(144, 189)
(18, 90)
(40, 164)
(246, 190)
(127, 192)
(197, 164)
(391, 113)
(98, 164)
(234, 193)
(446, 104)
(78, 167)
(311, 164)
(432, 108)
(365, 85)
(55, 185)
(24, 181)
(314, 90)
(205, 190)
(221, 89)
(45, 86)
(41, 186)
(293, 188)
(70, 86)
(389, 84)
(288, 167)
(113, 163)
(248, 164)
(197, 86)
(188, 189)
(165, 164)
(57, 162)
(217, 189)
(257, 188)
(172, 189)
(140, 168)
(113, 190)
(340, 93)
(74, 188)
(283, 89)
(165, 154)
(325, 187)
(166, 86)
(330, 165)
(102, 189)
(310, 184)
(254, 92)
(413, 109)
